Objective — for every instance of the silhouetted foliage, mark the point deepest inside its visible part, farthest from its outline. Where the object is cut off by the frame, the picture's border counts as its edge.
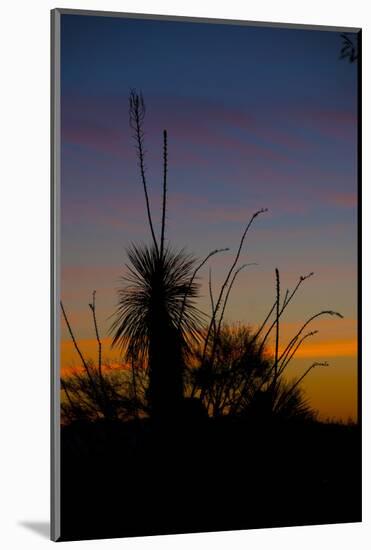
(147, 323)
(98, 391)
(80, 400)
(349, 48)
(238, 367)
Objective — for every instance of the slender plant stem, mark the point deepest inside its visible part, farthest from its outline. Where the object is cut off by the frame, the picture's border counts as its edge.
(137, 113)
(211, 298)
(295, 385)
(85, 365)
(264, 323)
(226, 281)
(64, 386)
(277, 326)
(284, 306)
(228, 293)
(290, 357)
(212, 253)
(221, 293)
(92, 307)
(164, 194)
(295, 338)
(100, 372)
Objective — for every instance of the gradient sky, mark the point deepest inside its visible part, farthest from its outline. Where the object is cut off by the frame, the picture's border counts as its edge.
(256, 117)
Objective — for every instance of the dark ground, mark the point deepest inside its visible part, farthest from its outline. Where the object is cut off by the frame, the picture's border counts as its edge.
(131, 479)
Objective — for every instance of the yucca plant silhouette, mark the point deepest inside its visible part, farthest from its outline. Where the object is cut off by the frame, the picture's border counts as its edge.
(156, 318)
(147, 322)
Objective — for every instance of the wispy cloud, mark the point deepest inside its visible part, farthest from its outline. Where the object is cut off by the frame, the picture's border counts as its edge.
(347, 200)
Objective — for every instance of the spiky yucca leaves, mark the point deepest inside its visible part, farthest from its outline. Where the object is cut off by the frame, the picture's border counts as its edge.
(158, 289)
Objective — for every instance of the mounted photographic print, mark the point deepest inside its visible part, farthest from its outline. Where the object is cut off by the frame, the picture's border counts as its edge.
(205, 276)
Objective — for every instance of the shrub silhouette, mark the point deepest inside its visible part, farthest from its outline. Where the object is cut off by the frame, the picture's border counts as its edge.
(241, 380)
(238, 366)
(82, 402)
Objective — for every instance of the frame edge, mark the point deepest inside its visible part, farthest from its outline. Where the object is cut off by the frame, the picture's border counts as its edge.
(55, 493)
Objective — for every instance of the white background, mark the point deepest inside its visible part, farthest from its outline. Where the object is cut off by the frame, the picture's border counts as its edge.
(24, 269)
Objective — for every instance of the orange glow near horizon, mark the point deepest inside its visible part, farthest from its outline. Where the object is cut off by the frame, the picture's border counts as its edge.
(331, 390)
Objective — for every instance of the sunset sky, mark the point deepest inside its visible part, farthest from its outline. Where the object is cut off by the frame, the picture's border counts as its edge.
(256, 117)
